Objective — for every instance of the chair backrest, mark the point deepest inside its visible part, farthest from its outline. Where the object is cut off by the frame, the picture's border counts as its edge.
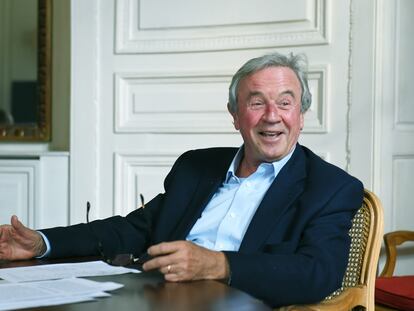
(391, 241)
(358, 285)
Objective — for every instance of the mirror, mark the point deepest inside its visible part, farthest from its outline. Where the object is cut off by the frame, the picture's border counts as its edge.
(25, 70)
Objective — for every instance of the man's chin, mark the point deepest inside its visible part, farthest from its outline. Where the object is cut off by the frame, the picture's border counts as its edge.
(272, 157)
(273, 154)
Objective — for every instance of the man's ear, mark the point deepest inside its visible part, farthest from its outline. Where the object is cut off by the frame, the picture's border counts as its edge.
(235, 117)
(302, 120)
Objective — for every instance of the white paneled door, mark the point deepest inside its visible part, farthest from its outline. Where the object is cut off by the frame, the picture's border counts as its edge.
(395, 168)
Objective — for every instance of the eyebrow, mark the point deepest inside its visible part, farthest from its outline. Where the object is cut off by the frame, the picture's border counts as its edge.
(255, 93)
(258, 93)
(287, 92)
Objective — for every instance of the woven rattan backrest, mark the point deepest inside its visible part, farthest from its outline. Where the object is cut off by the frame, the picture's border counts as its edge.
(358, 285)
(359, 234)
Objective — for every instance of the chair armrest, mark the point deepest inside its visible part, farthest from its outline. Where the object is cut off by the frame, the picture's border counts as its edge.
(392, 240)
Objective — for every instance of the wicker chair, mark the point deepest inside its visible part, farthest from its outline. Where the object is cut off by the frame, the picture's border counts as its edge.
(358, 285)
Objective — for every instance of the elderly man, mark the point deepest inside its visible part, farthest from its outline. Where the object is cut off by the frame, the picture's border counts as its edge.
(270, 218)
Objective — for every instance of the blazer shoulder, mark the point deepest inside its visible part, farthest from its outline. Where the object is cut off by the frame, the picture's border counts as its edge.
(324, 173)
(326, 182)
(215, 161)
(211, 152)
(209, 156)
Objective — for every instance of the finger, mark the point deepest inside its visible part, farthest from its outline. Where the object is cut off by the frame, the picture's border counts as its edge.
(16, 223)
(159, 262)
(21, 230)
(168, 269)
(172, 273)
(163, 248)
(173, 277)
(13, 219)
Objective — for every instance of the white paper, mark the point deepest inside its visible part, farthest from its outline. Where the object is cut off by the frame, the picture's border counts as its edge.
(60, 271)
(43, 303)
(43, 293)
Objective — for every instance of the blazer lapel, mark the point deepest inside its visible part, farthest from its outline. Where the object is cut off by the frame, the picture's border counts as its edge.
(285, 189)
(208, 184)
(205, 190)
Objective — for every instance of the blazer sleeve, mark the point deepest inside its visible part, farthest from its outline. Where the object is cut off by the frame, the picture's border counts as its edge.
(314, 268)
(110, 236)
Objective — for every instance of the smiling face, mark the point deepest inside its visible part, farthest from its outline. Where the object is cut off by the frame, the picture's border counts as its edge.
(268, 115)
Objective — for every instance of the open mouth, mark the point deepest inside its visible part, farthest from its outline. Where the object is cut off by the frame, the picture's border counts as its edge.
(270, 133)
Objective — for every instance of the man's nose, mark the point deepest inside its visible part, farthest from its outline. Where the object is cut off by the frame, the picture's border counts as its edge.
(271, 113)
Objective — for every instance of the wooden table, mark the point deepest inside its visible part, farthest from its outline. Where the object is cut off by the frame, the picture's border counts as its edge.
(149, 291)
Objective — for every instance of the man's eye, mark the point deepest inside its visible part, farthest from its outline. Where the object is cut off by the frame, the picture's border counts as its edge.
(284, 104)
(256, 104)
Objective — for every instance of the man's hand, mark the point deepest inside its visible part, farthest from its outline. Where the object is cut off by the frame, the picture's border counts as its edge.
(185, 261)
(19, 242)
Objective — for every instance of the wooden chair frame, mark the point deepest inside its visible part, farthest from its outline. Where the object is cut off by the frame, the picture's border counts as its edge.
(391, 241)
(361, 295)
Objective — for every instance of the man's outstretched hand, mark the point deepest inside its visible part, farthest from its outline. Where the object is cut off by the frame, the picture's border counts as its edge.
(185, 261)
(19, 242)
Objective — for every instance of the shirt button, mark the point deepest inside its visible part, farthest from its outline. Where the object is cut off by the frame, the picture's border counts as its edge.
(232, 215)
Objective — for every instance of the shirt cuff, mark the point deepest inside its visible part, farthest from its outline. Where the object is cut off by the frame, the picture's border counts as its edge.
(48, 248)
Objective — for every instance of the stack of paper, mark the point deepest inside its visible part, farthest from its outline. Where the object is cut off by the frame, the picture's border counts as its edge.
(56, 292)
(46, 285)
(61, 271)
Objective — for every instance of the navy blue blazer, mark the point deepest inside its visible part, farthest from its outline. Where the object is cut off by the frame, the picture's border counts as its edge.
(295, 249)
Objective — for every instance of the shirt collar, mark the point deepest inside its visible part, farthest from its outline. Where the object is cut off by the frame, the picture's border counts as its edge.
(277, 165)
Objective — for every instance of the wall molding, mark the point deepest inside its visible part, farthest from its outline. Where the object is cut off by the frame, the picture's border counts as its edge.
(142, 102)
(404, 118)
(129, 170)
(309, 29)
(316, 118)
(24, 178)
(402, 166)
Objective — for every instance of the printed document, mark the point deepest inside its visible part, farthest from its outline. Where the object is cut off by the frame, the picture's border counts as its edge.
(46, 293)
(61, 271)
(55, 284)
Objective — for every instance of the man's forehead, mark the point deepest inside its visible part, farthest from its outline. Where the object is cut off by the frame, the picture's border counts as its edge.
(273, 72)
(282, 77)
(286, 92)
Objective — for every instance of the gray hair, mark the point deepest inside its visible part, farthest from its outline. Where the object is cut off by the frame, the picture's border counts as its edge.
(298, 63)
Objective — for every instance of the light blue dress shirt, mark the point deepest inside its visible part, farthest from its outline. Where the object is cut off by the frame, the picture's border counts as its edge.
(227, 216)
